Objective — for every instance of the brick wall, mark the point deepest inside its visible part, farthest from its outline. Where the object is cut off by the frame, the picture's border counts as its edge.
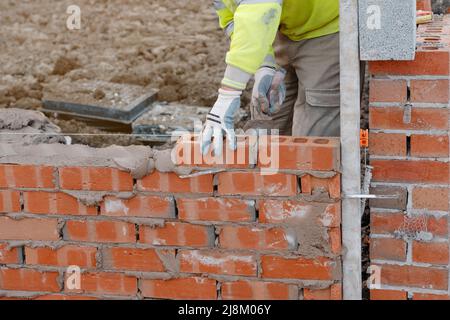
(231, 235)
(409, 150)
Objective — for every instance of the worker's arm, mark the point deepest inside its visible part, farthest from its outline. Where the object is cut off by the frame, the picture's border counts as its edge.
(252, 29)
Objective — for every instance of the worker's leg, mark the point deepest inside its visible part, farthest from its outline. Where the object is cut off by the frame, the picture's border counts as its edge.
(317, 109)
(282, 120)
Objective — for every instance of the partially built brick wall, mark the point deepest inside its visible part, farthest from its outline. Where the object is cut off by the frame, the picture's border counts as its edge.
(409, 150)
(230, 235)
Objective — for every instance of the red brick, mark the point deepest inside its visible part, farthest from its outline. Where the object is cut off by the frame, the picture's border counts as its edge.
(388, 249)
(25, 176)
(433, 253)
(107, 283)
(177, 234)
(388, 223)
(95, 179)
(299, 268)
(171, 182)
(9, 201)
(424, 5)
(335, 240)
(187, 153)
(387, 144)
(7, 256)
(426, 63)
(216, 209)
(40, 202)
(258, 290)
(253, 183)
(332, 293)
(411, 276)
(429, 146)
(180, 289)
(431, 91)
(421, 118)
(384, 90)
(139, 206)
(68, 255)
(421, 171)
(429, 296)
(313, 185)
(148, 260)
(249, 237)
(299, 212)
(28, 280)
(430, 198)
(295, 153)
(376, 294)
(56, 297)
(28, 229)
(100, 231)
(215, 262)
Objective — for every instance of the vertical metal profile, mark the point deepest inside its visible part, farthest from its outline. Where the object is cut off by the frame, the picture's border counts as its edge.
(350, 149)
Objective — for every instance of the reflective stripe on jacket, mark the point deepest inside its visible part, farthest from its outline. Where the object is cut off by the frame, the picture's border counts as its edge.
(253, 24)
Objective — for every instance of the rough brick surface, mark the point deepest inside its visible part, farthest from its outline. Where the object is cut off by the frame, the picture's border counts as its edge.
(238, 234)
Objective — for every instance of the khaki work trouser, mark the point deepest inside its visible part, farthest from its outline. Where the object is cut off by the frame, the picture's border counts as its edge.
(312, 105)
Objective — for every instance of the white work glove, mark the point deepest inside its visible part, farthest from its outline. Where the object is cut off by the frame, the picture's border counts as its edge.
(269, 90)
(220, 120)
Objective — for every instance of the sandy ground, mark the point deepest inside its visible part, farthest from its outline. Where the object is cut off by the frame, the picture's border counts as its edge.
(175, 46)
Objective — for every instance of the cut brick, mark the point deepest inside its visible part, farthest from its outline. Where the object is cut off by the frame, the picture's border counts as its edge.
(216, 209)
(214, 262)
(258, 290)
(95, 179)
(387, 144)
(332, 293)
(9, 201)
(397, 203)
(180, 289)
(383, 90)
(9, 256)
(170, 182)
(388, 249)
(312, 185)
(178, 234)
(139, 206)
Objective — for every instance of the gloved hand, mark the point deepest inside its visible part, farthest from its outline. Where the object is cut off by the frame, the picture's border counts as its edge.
(220, 120)
(269, 90)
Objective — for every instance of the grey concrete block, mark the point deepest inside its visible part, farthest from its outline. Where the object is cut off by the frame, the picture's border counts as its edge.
(387, 29)
(397, 203)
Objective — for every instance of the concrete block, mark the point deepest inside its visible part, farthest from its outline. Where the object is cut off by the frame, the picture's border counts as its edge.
(387, 29)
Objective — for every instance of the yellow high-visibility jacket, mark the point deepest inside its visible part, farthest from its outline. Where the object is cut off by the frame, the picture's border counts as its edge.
(253, 24)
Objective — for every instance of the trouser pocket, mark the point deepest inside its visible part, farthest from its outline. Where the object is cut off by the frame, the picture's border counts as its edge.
(320, 114)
